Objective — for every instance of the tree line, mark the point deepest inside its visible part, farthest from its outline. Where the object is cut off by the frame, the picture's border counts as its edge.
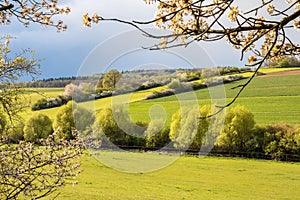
(239, 133)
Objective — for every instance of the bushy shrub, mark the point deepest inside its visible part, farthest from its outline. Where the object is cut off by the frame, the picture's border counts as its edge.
(72, 116)
(119, 130)
(194, 128)
(110, 128)
(184, 128)
(37, 127)
(178, 86)
(40, 104)
(156, 135)
(164, 93)
(281, 139)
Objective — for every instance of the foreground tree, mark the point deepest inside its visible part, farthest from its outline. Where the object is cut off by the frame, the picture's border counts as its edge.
(28, 171)
(25, 11)
(12, 68)
(33, 172)
(262, 31)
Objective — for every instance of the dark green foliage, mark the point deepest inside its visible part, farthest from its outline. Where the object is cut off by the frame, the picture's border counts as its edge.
(164, 93)
(281, 139)
(288, 62)
(159, 140)
(156, 135)
(3, 122)
(40, 104)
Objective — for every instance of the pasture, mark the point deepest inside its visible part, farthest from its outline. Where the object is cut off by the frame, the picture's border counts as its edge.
(189, 177)
(272, 99)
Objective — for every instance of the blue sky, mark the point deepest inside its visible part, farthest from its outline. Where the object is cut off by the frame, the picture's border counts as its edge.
(63, 53)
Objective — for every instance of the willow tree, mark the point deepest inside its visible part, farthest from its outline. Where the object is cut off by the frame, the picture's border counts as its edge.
(262, 31)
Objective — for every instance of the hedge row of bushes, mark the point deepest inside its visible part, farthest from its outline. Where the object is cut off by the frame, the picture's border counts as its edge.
(40, 126)
(190, 129)
(177, 86)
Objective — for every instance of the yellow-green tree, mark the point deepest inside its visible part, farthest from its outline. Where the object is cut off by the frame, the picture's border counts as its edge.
(37, 127)
(238, 129)
(72, 117)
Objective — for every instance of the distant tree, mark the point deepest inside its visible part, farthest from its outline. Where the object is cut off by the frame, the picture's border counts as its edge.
(71, 90)
(238, 129)
(288, 62)
(110, 79)
(79, 92)
(37, 127)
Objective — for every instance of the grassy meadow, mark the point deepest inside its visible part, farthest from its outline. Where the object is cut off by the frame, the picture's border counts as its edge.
(271, 99)
(189, 177)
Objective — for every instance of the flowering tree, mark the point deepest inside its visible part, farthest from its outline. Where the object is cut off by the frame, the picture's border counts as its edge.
(26, 170)
(12, 67)
(28, 11)
(262, 32)
(33, 172)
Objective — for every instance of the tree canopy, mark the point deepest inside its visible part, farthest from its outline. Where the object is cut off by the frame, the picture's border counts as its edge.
(27, 11)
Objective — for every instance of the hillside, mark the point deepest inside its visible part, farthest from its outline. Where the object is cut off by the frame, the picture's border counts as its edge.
(272, 98)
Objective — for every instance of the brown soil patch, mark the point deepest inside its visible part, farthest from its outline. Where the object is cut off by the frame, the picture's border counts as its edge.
(284, 73)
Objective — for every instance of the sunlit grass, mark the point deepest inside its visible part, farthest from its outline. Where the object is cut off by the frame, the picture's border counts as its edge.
(188, 178)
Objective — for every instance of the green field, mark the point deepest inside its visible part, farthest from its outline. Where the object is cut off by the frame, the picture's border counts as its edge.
(271, 99)
(187, 178)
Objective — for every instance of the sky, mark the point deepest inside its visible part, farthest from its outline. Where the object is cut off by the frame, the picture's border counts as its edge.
(70, 53)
